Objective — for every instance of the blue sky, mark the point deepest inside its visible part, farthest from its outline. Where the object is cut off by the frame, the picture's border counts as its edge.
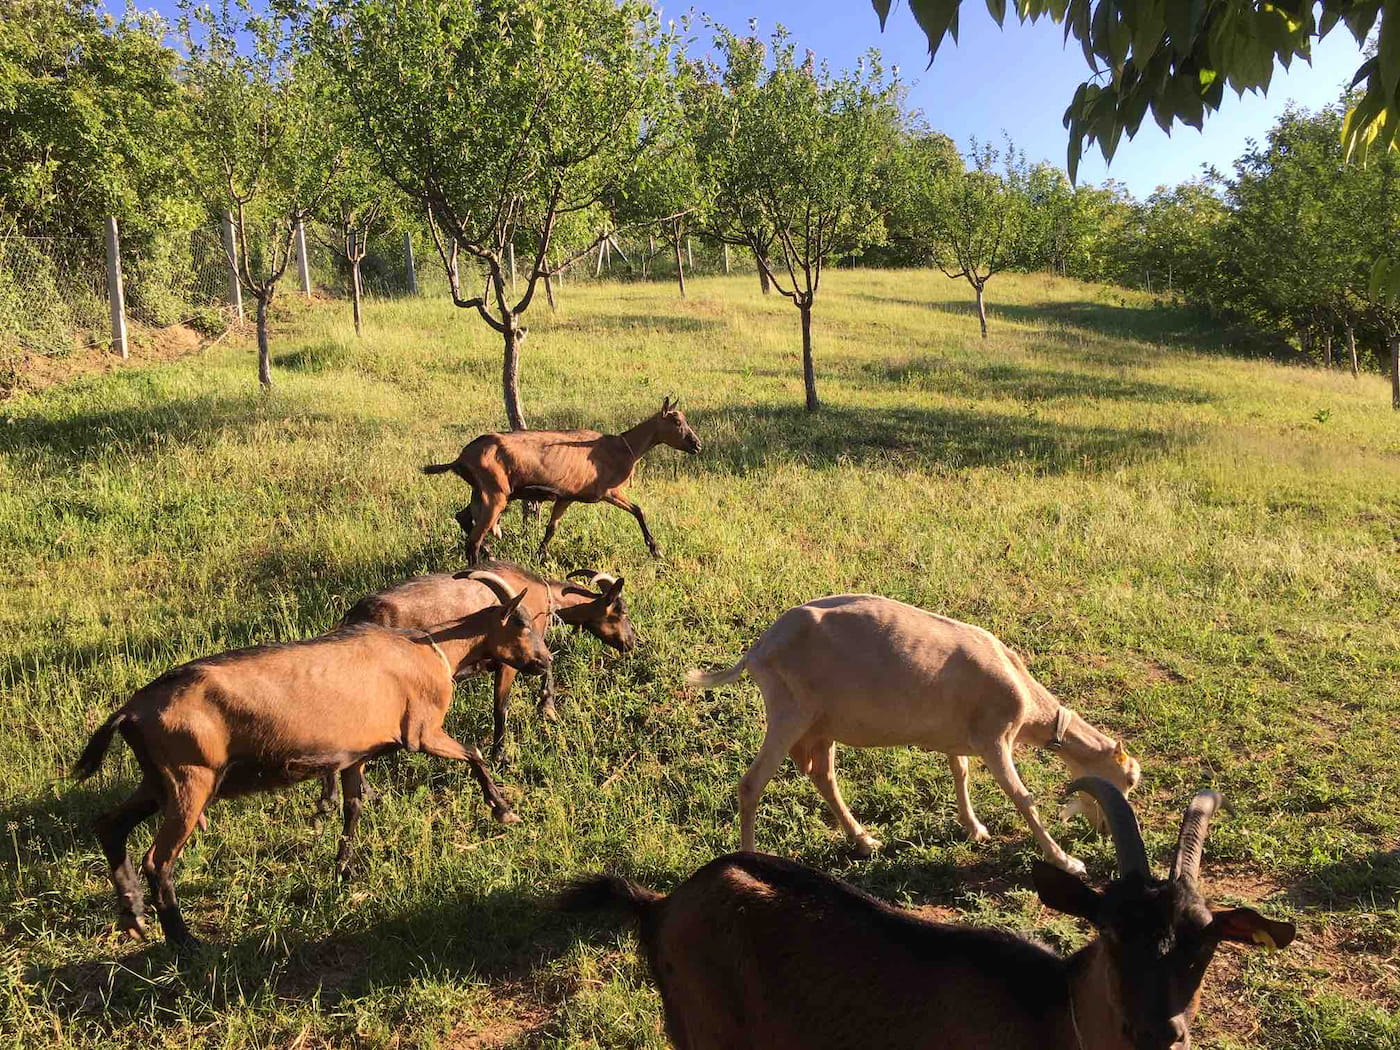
(1019, 80)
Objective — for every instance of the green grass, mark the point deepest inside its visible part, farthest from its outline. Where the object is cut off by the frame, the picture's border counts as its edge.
(1182, 549)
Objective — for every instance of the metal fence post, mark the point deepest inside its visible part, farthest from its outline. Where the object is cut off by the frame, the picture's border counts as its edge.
(408, 262)
(116, 297)
(235, 287)
(303, 269)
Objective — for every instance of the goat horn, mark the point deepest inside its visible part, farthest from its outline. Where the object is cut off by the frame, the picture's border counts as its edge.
(1195, 822)
(597, 580)
(503, 590)
(1122, 825)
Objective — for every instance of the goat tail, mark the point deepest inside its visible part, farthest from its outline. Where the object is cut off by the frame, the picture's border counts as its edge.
(90, 761)
(597, 892)
(439, 468)
(701, 680)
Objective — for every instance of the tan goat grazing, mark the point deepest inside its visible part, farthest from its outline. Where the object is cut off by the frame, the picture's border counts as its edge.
(273, 715)
(563, 466)
(757, 953)
(597, 608)
(867, 671)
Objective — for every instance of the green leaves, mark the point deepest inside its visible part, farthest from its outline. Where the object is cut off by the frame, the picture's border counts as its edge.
(790, 150)
(1176, 56)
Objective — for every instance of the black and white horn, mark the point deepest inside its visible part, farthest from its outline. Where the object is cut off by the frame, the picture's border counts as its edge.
(1195, 823)
(1122, 825)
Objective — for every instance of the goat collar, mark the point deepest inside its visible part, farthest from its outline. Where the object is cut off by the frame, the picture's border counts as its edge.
(1057, 741)
(628, 445)
(443, 657)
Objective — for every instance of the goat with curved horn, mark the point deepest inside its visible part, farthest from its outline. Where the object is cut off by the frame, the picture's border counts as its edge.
(754, 950)
(499, 584)
(1195, 823)
(1122, 825)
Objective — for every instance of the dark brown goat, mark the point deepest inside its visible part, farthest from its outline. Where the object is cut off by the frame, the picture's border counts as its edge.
(565, 466)
(262, 718)
(426, 600)
(753, 951)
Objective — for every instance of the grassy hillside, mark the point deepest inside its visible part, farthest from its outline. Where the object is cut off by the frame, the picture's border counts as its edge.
(1198, 553)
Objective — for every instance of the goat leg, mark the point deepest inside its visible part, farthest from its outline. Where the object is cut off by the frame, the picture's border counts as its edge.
(546, 706)
(504, 679)
(636, 512)
(555, 513)
(113, 829)
(352, 785)
(185, 801)
(326, 803)
(465, 520)
(976, 830)
(438, 743)
(1003, 769)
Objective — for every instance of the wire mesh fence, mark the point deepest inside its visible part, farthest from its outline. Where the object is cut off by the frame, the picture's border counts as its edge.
(53, 299)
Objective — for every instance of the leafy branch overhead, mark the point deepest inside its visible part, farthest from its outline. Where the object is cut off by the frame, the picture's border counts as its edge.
(1176, 58)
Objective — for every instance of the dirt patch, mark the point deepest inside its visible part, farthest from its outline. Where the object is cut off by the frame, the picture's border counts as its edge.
(521, 1016)
(146, 346)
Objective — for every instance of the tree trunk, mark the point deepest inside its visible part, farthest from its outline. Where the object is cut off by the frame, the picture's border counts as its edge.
(981, 309)
(680, 270)
(355, 293)
(510, 373)
(809, 374)
(1395, 372)
(763, 281)
(549, 287)
(1351, 347)
(1327, 348)
(264, 355)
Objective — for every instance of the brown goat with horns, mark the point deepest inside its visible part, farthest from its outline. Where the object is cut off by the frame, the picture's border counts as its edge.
(269, 716)
(563, 466)
(756, 952)
(427, 600)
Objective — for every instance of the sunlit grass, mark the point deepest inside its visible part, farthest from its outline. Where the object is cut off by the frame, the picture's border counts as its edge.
(1185, 553)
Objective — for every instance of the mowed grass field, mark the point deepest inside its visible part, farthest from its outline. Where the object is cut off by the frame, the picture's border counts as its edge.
(1199, 553)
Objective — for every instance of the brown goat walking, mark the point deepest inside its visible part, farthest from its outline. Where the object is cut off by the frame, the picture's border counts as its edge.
(563, 466)
(756, 952)
(273, 715)
(427, 600)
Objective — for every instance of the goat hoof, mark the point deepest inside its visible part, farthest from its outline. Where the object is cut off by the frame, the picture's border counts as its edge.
(1073, 865)
(132, 926)
(864, 846)
(548, 712)
(506, 816)
(979, 833)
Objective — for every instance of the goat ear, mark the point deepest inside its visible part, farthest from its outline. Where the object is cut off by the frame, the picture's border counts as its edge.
(1065, 892)
(510, 606)
(1247, 926)
(666, 404)
(614, 590)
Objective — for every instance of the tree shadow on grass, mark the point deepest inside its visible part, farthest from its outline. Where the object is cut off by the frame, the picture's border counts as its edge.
(1368, 883)
(502, 936)
(1025, 383)
(666, 324)
(55, 444)
(744, 439)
